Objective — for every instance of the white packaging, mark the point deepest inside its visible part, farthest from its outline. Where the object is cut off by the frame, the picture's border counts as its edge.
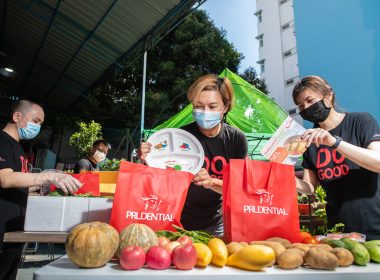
(49, 213)
(285, 145)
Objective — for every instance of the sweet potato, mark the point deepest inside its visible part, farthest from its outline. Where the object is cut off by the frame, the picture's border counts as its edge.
(233, 247)
(244, 243)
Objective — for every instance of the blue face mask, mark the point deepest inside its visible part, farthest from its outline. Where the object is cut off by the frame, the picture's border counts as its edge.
(30, 131)
(206, 119)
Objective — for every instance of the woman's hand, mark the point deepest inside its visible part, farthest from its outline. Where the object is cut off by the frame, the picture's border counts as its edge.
(202, 178)
(318, 136)
(143, 150)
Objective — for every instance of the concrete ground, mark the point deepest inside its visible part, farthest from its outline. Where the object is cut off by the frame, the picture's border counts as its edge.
(37, 258)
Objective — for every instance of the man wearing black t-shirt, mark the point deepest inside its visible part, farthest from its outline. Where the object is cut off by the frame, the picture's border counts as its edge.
(24, 123)
(97, 154)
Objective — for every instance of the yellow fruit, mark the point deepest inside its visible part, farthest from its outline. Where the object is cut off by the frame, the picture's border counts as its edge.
(219, 252)
(252, 257)
(204, 254)
(233, 247)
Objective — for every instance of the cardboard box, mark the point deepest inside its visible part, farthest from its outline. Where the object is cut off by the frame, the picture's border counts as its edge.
(107, 181)
(50, 213)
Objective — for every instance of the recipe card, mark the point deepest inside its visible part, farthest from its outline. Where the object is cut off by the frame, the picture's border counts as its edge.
(286, 145)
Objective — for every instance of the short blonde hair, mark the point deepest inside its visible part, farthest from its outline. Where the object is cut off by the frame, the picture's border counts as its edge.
(212, 82)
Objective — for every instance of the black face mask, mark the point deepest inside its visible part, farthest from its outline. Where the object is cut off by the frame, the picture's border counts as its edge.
(316, 113)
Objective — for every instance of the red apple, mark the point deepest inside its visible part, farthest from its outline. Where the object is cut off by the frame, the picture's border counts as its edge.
(170, 246)
(185, 240)
(158, 258)
(184, 257)
(162, 241)
(132, 257)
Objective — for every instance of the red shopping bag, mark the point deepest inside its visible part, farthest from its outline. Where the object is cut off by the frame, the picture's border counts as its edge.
(90, 184)
(259, 201)
(150, 196)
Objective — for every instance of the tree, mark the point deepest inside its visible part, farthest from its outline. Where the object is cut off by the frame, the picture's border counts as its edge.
(196, 47)
(83, 139)
(250, 75)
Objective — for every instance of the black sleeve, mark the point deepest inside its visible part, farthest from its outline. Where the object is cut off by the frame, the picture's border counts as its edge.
(306, 160)
(6, 155)
(369, 130)
(83, 164)
(241, 145)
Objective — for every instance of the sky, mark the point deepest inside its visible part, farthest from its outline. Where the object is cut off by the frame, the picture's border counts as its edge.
(238, 19)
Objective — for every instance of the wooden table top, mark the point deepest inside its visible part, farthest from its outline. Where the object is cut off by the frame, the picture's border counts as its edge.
(34, 236)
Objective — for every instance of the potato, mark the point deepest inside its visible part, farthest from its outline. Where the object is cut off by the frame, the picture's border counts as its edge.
(320, 258)
(290, 259)
(299, 246)
(323, 246)
(277, 247)
(344, 256)
(233, 247)
(296, 251)
(286, 243)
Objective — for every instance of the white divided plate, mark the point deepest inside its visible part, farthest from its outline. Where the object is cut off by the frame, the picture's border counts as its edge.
(175, 148)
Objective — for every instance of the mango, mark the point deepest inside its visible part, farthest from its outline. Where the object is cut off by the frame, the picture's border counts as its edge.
(219, 252)
(252, 257)
(204, 254)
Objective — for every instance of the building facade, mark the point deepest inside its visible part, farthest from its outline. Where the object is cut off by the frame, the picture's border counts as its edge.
(278, 58)
(336, 39)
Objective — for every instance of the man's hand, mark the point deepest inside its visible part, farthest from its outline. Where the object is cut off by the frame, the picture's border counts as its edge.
(65, 182)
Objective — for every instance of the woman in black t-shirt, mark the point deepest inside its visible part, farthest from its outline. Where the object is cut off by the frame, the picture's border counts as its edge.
(343, 156)
(212, 99)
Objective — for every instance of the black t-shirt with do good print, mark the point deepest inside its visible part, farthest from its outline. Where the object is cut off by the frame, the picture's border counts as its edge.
(353, 192)
(13, 200)
(203, 207)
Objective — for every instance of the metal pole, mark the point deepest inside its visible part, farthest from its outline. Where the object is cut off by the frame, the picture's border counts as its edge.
(143, 95)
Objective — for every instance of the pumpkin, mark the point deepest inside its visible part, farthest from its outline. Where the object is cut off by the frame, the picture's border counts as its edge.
(92, 244)
(137, 235)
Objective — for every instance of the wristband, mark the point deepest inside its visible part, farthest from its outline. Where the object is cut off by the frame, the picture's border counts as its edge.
(337, 142)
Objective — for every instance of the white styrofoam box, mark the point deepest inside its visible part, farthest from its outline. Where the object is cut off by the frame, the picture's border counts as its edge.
(100, 209)
(49, 213)
(74, 212)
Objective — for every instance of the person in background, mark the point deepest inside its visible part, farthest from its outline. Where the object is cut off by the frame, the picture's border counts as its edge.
(343, 156)
(212, 98)
(24, 123)
(97, 154)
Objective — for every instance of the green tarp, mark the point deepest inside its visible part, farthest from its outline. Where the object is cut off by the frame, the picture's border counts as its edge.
(256, 114)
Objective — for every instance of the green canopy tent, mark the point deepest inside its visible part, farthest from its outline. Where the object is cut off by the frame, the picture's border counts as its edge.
(256, 114)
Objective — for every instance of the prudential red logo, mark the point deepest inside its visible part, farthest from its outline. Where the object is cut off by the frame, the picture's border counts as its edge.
(326, 159)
